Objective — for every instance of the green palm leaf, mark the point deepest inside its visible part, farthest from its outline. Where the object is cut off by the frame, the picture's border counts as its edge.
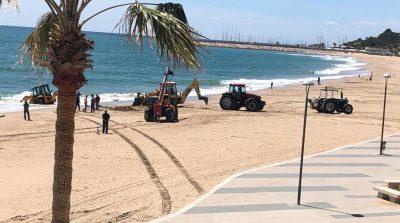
(35, 45)
(175, 40)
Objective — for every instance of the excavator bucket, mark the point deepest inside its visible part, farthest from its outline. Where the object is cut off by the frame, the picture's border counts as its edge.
(194, 85)
(205, 99)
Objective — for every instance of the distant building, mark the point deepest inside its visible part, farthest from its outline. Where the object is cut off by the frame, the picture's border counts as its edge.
(378, 51)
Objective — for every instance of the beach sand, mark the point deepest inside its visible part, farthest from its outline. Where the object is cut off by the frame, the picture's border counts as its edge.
(144, 170)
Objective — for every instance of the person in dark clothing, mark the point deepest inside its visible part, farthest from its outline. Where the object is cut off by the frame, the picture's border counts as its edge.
(27, 116)
(319, 80)
(97, 101)
(106, 118)
(78, 101)
(272, 85)
(92, 104)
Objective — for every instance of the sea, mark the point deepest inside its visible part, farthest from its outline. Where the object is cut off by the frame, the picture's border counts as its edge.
(120, 71)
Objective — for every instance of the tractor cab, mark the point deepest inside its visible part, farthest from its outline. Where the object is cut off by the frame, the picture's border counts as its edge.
(237, 88)
(170, 88)
(328, 92)
(328, 103)
(170, 93)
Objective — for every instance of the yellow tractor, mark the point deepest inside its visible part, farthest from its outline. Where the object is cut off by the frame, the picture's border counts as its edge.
(171, 93)
(41, 95)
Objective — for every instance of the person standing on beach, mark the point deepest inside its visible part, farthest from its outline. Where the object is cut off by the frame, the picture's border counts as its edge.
(85, 103)
(78, 101)
(319, 80)
(106, 118)
(370, 77)
(27, 116)
(92, 104)
(97, 102)
(272, 85)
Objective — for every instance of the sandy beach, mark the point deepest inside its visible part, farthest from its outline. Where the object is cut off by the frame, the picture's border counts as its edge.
(142, 171)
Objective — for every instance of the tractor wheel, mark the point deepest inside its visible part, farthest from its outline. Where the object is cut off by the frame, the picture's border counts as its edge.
(137, 101)
(329, 107)
(149, 114)
(348, 109)
(40, 101)
(170, 115)
(261, 107)
(252, 105)
(227, 102)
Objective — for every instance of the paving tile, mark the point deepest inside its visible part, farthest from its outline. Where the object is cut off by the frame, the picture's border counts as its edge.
(366, 215)
(335, 164)
(227, 190)
(305, 175)
(360, 196)
(255, 208)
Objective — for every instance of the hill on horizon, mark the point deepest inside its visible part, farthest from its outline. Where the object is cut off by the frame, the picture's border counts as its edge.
(386, 40)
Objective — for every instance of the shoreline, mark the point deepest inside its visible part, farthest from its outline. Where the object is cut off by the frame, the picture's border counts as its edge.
(290, 82)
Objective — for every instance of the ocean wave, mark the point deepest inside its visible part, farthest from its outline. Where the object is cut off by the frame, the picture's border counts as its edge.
(12, 102)
(350, 64)
(254, 84)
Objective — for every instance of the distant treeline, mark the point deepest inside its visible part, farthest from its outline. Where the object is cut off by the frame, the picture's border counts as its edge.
(387, 40)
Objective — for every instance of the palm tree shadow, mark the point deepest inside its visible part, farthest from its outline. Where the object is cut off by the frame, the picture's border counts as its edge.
(339, 212)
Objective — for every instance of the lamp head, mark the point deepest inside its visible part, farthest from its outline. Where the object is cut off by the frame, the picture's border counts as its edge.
(308, 83)
(386, 76)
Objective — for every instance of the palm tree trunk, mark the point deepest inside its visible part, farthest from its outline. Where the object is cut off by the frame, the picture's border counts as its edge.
(63, 155)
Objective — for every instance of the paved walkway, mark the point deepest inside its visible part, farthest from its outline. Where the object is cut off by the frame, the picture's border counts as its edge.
(337, 186)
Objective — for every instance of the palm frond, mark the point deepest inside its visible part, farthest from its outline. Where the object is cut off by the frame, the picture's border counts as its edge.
(34, 46)
(175, 40)
(173, 9)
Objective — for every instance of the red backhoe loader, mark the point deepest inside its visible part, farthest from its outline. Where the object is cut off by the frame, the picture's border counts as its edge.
(163, 107)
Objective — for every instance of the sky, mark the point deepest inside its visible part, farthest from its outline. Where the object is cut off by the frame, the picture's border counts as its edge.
(292, 21)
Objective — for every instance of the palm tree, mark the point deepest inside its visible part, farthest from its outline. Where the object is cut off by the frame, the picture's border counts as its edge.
(58, 44)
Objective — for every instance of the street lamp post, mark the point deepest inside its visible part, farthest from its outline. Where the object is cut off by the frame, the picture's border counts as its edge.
(386, 76)
(308, 85)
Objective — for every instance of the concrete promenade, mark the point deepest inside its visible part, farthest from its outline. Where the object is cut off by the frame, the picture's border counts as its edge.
(337, 187)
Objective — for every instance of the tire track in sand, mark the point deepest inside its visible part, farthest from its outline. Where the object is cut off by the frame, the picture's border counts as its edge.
(165, 197)
(172, 157)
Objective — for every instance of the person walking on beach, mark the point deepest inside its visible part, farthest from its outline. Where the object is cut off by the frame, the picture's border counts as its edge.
(97, 102)
(85, 104)
(78, 101)
(106, 118)
(319, 80)
(27, 116)
(92, 104)
(272, 85)
(370, 77)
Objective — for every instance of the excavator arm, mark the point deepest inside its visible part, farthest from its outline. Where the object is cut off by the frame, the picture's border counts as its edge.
(188, 89)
